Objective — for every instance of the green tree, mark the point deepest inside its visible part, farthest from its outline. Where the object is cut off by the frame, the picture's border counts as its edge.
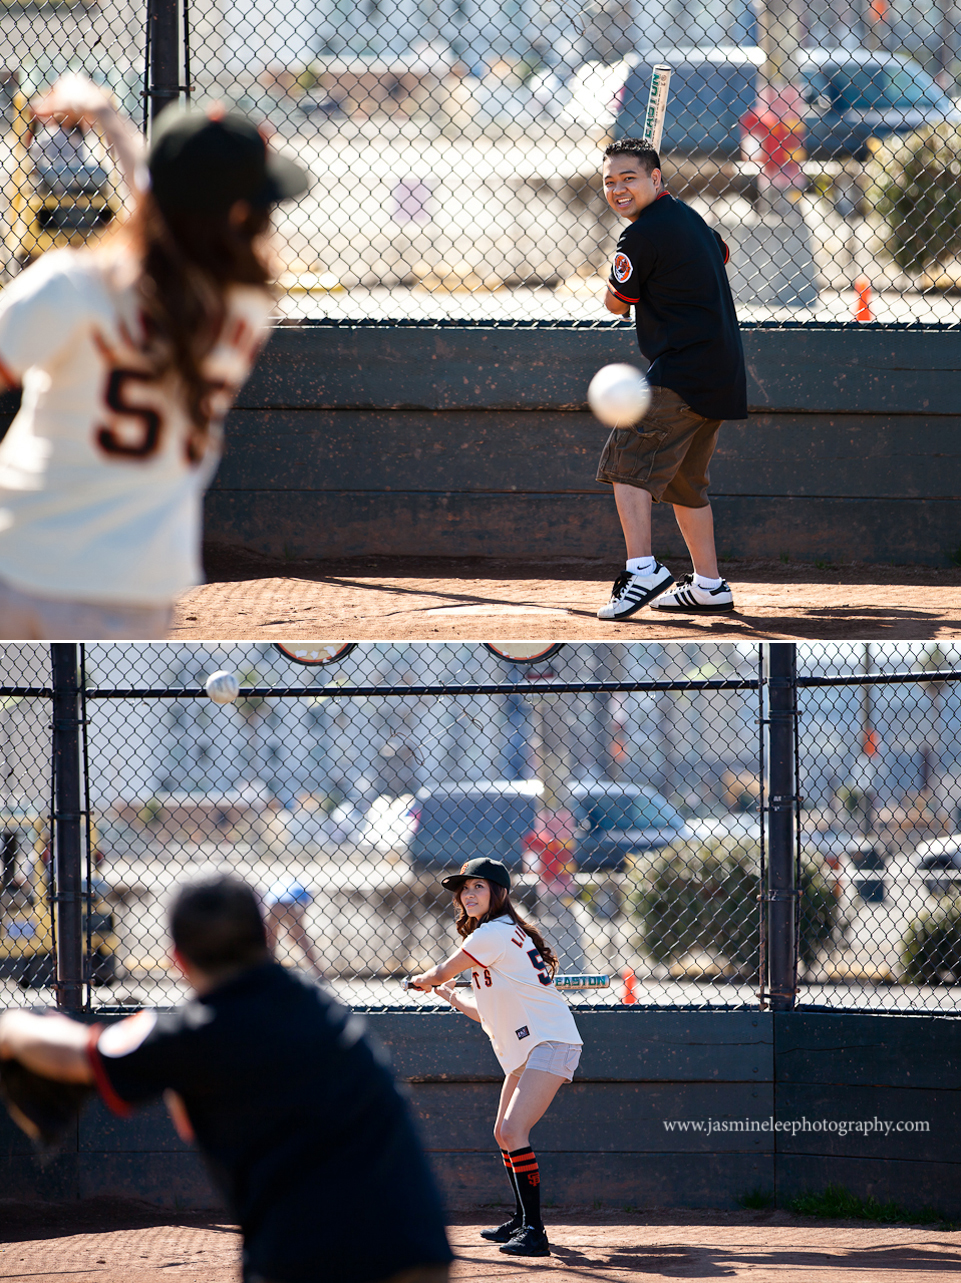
(916, 190)
(703, 898)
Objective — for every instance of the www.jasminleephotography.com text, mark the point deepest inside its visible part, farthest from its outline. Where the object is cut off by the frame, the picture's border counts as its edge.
(840, 1126)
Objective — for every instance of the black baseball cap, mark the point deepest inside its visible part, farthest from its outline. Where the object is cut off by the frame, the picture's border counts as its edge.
(205, 161)
(492, 870)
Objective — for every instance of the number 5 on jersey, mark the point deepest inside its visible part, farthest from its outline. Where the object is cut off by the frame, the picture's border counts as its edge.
(540, 966)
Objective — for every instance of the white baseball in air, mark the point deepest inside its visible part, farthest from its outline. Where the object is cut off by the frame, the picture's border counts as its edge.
(223, 687)
(619, 395)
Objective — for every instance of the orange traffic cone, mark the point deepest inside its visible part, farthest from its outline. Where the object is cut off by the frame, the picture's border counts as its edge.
(630, 986)
(862, 309)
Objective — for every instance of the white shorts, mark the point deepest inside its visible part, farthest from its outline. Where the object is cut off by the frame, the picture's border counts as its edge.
(560, 1058)
(26, 617)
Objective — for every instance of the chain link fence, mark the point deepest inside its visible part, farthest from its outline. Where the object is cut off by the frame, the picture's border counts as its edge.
(456, 144)
(628, 786)
(58, 186)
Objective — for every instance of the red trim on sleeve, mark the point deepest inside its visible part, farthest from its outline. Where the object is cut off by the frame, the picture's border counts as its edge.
(622, 297)
(114, 1103)
(8, 375)
(473, 959)
(727, 251)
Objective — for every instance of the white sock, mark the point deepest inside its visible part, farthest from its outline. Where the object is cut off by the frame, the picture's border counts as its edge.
(640, 565)
(701, 581)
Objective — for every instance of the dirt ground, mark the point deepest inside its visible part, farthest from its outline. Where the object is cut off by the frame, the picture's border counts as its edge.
(112, 1242)
(403, 599)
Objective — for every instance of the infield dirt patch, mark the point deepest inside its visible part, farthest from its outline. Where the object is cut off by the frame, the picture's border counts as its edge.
(105, 1241)
(403, 599)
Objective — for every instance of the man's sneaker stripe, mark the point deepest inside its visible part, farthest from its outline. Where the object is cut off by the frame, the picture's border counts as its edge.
(688, 596)
(631, 592)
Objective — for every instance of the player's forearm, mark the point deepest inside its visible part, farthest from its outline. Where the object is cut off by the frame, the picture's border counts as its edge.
(615, 304)
(50, 1045)
(444, 971)
(127, 145)
(462, 1003)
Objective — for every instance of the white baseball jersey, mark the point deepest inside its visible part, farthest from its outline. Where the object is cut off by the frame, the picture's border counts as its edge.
(102, 473)
(515, 995)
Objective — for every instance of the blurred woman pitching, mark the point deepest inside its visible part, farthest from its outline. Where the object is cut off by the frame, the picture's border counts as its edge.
(129, 355)
(528, 1022)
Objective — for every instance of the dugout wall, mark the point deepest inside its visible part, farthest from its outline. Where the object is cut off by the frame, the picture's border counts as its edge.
(605, 1143)
(475, 441)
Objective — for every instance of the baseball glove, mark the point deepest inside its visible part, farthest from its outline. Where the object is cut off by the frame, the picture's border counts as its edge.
(41, 1107)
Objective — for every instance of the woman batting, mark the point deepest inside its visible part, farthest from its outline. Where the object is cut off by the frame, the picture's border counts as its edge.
(528, 1022)
(129, 355)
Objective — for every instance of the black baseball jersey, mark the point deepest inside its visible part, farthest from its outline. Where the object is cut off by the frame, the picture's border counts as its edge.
(299, 1121)
(670, 266)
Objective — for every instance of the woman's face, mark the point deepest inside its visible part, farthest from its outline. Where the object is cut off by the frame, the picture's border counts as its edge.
(475, 896)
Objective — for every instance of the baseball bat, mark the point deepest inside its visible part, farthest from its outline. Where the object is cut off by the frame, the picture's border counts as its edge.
(561, 982)
(657, 105)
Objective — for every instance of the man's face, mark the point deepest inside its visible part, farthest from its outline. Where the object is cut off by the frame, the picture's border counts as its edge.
(628, 187)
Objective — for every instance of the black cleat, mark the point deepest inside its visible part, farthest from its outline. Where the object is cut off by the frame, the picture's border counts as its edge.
(528, 1242)
(504, 1233)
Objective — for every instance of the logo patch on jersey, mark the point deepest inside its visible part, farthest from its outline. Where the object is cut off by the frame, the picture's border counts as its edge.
(622, 268)
(523, 1032)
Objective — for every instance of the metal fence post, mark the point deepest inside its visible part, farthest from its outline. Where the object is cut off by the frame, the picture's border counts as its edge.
(780, 818)
(67, 827)
(164, 54)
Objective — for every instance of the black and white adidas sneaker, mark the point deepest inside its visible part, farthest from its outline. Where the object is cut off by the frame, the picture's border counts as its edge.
(687, 596)
(631, 592)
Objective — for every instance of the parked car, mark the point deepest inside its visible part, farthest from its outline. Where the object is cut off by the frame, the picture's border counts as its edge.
(731, 828)
(458, 822)
(389, 824)
(618, 820)
(852, 95)
(938, 860)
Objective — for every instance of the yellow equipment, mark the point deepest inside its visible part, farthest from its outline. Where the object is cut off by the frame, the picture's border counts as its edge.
(57, 190)
(26, 926)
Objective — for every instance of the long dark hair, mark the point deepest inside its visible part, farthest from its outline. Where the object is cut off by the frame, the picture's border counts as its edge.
(188, 260)
(501, 906)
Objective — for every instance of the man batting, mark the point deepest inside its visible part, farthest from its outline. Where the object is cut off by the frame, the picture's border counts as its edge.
(669, 266)
(300, 1124)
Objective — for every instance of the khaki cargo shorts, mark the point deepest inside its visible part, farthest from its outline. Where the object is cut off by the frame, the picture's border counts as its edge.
(667, 453)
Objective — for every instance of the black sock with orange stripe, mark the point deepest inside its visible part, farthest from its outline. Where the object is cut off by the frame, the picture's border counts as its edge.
(528, 1177)
(518, 1209)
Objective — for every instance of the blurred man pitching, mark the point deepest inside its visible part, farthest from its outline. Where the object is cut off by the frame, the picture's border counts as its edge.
(301, 1126)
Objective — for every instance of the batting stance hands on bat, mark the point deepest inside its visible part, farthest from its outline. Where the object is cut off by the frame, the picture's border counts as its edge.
(529, 1024)
(300, 1123)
